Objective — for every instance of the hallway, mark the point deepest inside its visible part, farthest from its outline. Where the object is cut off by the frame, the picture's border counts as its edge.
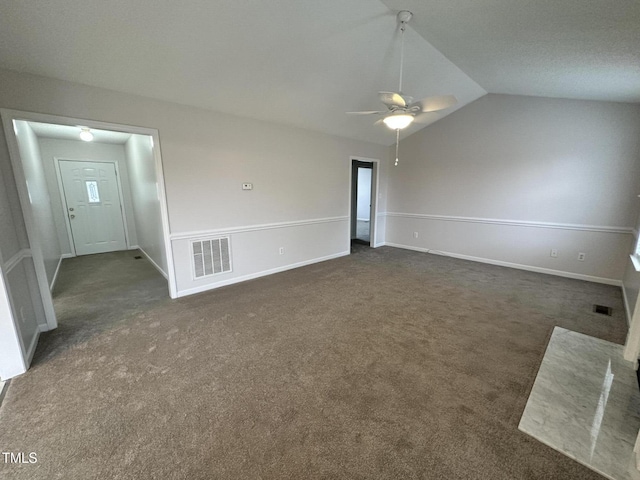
(95, 293)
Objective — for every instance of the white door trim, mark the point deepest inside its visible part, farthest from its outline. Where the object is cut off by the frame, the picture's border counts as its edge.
(8, 116)
(63, 198)
(375, 186)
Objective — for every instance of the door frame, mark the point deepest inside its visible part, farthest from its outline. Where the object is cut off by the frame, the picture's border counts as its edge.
(63, 198)
(8, 116)
(375, 189)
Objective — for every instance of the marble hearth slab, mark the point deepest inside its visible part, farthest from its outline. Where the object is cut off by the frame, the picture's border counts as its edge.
(585, 403)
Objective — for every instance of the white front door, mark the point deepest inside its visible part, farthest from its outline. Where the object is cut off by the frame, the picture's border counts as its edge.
(93, 206)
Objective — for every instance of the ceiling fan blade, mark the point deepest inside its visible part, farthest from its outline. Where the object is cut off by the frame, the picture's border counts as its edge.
(424, 117)
(392, 99)
(433, 104)
(407, 99)
(379, 122)
(372, 112)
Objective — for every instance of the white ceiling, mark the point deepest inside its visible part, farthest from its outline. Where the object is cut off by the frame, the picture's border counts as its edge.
(302, 63)
(67, 132)
(586, 49)
(305, 63)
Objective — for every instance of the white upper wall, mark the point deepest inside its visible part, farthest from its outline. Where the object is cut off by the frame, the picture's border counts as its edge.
(511, 166)
(525, 158)
(13, 235)
(39, 197)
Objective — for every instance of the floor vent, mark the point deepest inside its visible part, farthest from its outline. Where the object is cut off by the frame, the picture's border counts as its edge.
(601, 309)
(137, 257)
(211, 256)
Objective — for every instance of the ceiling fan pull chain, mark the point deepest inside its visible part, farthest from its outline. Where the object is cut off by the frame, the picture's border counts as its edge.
(397, 144)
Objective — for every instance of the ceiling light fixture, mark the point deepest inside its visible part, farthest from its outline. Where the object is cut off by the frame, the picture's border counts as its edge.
(402, 110)
(399, 121)
(85, 134)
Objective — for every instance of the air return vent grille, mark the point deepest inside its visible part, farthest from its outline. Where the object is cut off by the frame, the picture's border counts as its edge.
(210, 257)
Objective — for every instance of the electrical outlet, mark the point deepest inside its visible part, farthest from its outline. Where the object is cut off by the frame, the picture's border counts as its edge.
(247, 186)
(281, 251)
(415, 234)
(554, 252)
(581, 256)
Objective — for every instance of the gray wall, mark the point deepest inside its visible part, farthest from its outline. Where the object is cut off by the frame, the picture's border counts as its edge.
(144, 197)
(83, 151)
(507, 178)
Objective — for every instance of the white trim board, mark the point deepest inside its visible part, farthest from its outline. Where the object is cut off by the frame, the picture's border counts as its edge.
(516, 223)
(518, 266)
(264, 273)
(254, 228)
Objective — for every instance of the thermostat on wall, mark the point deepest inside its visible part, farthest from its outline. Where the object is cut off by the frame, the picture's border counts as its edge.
(247, 186)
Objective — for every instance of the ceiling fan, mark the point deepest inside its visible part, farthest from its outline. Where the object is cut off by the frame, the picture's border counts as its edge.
(402, 110)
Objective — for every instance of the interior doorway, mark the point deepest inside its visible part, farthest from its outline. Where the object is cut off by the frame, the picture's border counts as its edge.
(363, 201)
(59, 177)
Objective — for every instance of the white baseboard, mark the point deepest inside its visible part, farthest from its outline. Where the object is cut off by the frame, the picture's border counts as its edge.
(157, 267)
(529, 268)
(34, 343)
(55, 275)
(264, 273)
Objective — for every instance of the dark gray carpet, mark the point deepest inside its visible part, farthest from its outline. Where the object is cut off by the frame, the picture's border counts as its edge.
(385, 364)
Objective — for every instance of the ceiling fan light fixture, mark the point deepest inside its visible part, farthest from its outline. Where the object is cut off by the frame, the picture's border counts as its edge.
(85, 134)
(398, 122)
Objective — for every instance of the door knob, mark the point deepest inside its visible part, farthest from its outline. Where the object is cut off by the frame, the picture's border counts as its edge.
(72, 216)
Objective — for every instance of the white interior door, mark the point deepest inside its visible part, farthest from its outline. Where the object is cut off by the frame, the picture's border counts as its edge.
(94, 206)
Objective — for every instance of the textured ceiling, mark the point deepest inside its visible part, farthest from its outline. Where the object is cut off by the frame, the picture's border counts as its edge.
(299, 63)
(66, 132)
(586, 49)
(305, 63)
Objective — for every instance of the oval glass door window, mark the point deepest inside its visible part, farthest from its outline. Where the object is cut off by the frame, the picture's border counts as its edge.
(92, 191)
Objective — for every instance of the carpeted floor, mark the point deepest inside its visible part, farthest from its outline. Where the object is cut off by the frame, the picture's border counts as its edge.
(385, 364)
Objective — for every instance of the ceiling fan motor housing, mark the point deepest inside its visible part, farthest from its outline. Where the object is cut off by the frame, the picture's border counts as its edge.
(404, 16)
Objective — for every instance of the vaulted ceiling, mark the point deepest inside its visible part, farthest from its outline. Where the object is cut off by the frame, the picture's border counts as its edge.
(305, 63)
